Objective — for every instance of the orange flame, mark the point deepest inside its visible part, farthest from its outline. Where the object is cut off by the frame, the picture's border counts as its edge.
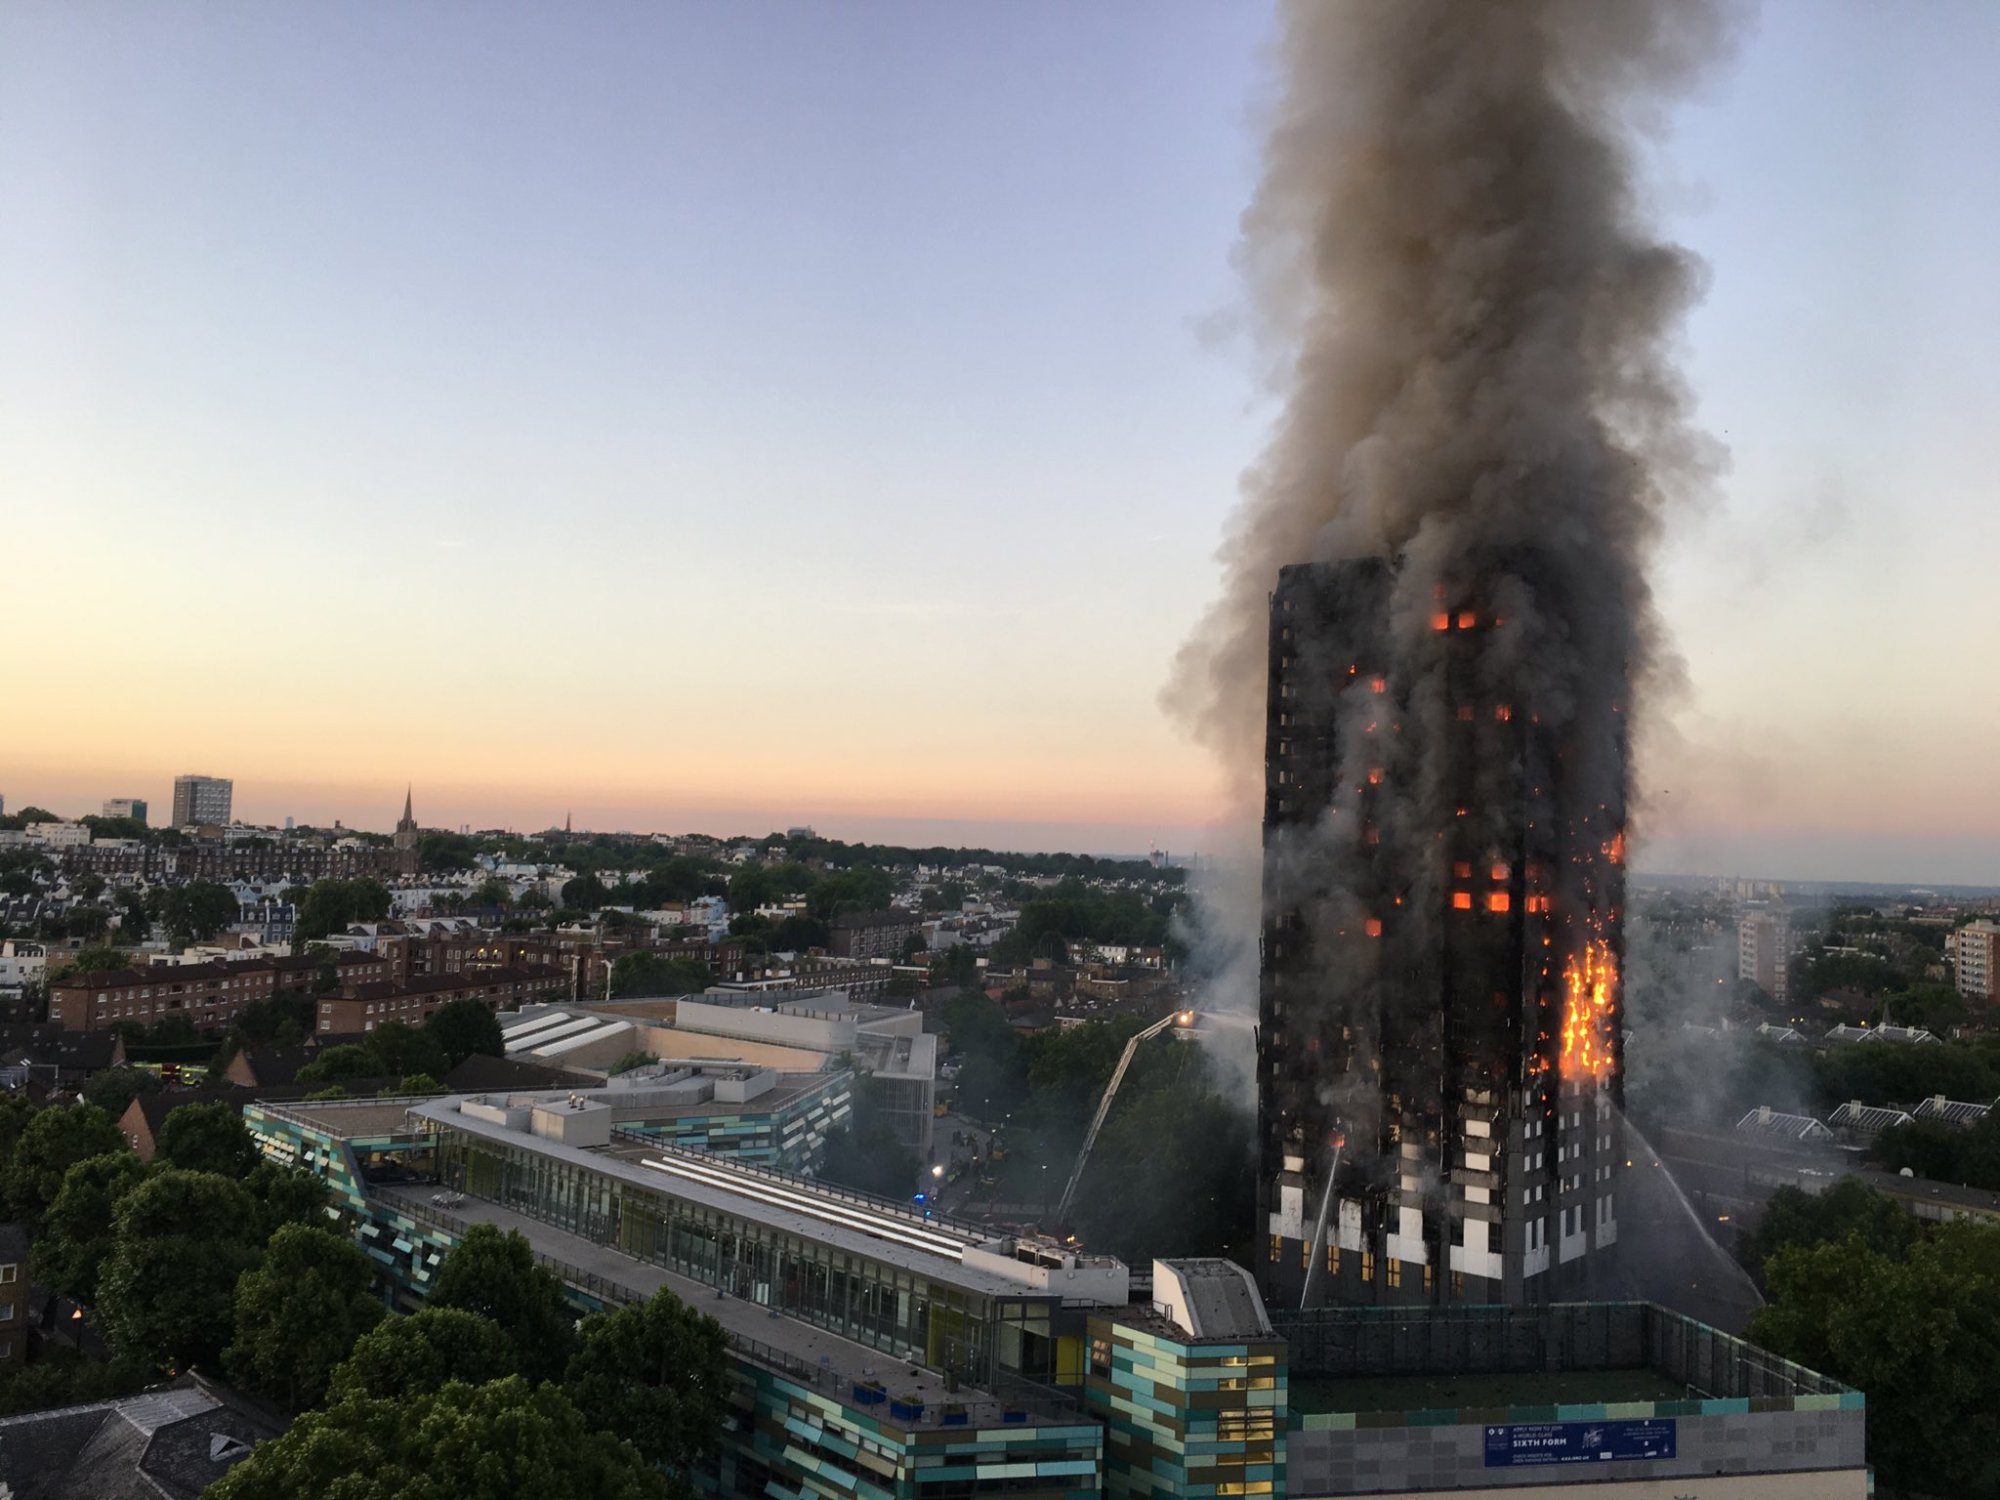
(1590, 979)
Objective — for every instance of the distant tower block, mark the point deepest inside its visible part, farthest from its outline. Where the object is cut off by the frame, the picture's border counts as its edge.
(1439, 1045)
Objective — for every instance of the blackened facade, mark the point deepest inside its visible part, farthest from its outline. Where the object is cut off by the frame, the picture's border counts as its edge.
(1438, 1040)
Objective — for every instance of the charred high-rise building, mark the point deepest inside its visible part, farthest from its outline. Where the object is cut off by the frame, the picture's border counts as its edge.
(1439, 1038)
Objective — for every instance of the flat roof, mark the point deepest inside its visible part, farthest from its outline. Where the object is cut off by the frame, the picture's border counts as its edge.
(709, 1192)
(752, 1327)
(349, 1118)
(789, 1089)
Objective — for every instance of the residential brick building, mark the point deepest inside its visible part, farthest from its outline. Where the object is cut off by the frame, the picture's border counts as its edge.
(300, 862)
(13, 1297)
(873, 934)
(1975, 961)
(209, 995)
(363, 1007)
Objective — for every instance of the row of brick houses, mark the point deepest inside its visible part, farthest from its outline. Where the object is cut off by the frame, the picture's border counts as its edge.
(209, 995)
(366, 1006)
(244, 861)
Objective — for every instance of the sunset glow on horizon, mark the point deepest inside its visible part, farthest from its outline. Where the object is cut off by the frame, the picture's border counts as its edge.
(682, 423)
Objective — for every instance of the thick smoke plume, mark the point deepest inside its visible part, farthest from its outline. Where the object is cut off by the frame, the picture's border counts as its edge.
(1469, 323)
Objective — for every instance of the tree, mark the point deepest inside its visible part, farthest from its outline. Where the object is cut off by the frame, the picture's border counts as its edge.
(1920, 1334)
(413, 1083)
(55, 1140)
(401, 1048)
(495, 1275)
(643, 973)
(207, 1138)
(76, 1234)
(993, 1073)
(99, 960)
(585, 893)
(16, 1110)
(415, 1356)
(287, 1195)
(1799, 1220)
(957, 966)
(195, 912)
(348, 1060)
(492, 892)
(133, 923)
(88, 886)
(115, 1088)
(1170, 1175)
(63, 1376)
(462, 1027)
(655, 1374)
(329, 905)
(862, 888)
(179, 1242)
(439, 851)
(299, 1314)
(631, 1060)
(464, 1442)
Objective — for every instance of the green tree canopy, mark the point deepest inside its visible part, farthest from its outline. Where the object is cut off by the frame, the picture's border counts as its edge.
(401, 1048)
(585, 893)
(1919, 1333)
(179, 1242)
(1946, 1153)
(329, 905)
(993, 1071)
(494, 1274)
(1801, 1220)
(462, 1027)
(643, 973)
(492, 891)
(299, 1314)
(348, 1060)
(77, 1231)
(99, 960)
(418, 1355)
(114, 1089)
(656, 1375)
(195, 912)
(464, 1442)
(207, 1138)
(287, 1195)
(55, 1140)
(16, 1110)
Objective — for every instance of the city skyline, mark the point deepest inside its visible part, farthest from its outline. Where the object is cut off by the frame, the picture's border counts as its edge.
(678, 462)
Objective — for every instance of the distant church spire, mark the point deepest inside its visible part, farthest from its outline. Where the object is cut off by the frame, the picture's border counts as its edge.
(566, 827)
(406, 826)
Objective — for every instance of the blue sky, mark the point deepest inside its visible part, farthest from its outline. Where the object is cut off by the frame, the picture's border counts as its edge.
(727, 415)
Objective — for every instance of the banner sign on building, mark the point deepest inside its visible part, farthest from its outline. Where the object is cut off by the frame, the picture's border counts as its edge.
(1523, 1445)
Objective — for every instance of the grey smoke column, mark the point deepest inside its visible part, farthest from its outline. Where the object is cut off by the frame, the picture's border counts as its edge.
(1480, 434)
(1469, 321)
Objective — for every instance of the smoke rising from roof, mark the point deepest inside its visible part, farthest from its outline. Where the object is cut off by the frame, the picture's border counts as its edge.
(1470, 325)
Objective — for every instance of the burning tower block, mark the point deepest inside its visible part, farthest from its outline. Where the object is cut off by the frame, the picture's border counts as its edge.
(1439, 1041)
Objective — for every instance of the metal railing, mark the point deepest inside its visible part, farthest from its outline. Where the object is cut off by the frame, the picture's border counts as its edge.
(1372, 1342)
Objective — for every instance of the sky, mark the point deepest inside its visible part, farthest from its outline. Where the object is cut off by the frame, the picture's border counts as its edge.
(693, 416)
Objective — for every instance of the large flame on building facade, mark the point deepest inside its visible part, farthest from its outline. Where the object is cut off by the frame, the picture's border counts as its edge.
(1590, 999)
